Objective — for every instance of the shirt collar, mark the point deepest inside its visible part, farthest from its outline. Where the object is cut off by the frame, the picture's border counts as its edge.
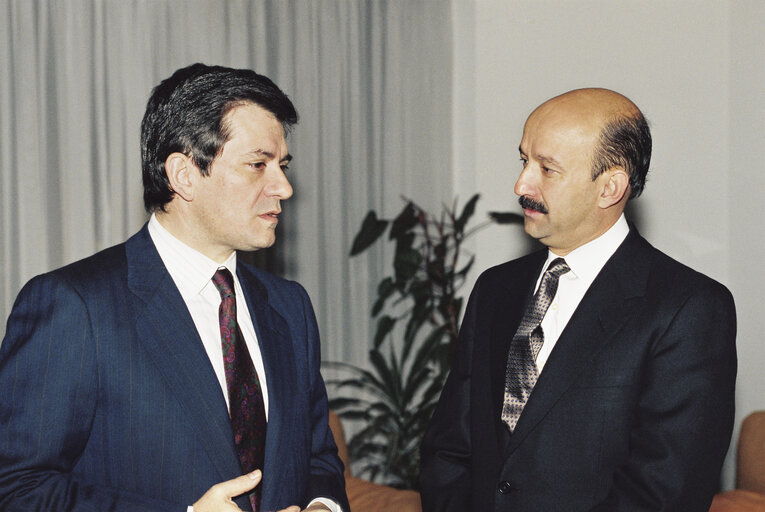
(586, 261)
(191, 270)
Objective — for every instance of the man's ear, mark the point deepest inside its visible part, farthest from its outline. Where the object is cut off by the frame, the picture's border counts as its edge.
(179, 169)
(616, 183)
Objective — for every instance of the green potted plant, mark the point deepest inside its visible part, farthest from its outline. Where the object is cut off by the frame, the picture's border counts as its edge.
(417, 311)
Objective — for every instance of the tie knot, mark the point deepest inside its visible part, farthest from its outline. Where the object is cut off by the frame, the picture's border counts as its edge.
(224, 282)
(558, 267)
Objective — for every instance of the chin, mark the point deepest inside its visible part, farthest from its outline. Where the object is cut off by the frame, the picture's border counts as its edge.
(264, 244)
(255, 245)
(531, 229)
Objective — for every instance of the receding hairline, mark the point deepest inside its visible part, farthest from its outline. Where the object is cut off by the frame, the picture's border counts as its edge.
(604, 105)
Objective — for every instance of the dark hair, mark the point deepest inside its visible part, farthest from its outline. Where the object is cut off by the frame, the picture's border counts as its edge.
(186, 113)
(625, 142)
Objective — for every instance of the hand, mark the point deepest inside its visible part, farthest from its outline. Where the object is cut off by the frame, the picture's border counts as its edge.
(219, 497)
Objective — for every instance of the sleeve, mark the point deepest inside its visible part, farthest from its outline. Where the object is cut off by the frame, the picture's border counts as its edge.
(49, 383)
(685, 412)
(445, 454)
(326, 478)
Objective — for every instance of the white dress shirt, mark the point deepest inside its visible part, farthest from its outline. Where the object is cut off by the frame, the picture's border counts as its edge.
(192, 273)
(585, 263)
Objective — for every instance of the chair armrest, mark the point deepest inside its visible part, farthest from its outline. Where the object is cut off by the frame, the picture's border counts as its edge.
(366, 496)
(738, 501)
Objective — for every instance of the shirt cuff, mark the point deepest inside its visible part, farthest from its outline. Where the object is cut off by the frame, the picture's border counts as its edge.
(330, 504)
(334, 507)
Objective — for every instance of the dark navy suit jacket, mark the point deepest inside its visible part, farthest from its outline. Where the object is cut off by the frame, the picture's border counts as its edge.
(633, 410)
(108, 400)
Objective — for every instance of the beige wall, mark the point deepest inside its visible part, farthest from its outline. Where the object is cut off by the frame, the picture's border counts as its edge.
(694, 68)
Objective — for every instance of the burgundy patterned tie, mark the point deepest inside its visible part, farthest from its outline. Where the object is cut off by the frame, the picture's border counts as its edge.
(521, 373)
(248, 414)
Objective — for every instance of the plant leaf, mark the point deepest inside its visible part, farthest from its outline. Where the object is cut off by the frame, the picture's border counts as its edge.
(405, 221)
(464, 270)
(343, 403)
(408, 261)
(353, 415)
(386, 374)
(414, 383)
(371, 229)
(467, 212)
(384, 290)
(420, 314)
(366, 381)
(421, 290)
(425, 352)
(384, 326)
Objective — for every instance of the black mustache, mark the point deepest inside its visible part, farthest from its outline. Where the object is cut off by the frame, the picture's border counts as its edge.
(529, 204)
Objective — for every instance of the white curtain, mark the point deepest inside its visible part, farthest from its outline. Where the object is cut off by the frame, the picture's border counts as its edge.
(370, 79)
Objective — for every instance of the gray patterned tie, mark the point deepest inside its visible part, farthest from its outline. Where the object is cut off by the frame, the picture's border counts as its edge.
(521, 372)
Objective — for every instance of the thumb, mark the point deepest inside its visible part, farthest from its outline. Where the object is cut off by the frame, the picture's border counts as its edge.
(241, 484)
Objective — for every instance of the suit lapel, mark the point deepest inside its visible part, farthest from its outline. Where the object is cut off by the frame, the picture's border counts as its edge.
(279, 361)
(604, 309)
(167, 332)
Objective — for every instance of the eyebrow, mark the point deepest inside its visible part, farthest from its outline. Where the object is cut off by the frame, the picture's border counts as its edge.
(268, 154)
(542, 158)
(549, 160)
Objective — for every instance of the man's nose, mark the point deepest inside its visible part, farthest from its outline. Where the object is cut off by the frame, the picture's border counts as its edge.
(524, 185)
(279, 185)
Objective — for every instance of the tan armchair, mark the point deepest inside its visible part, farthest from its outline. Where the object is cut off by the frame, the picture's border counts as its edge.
(749, 495)
(365, 496)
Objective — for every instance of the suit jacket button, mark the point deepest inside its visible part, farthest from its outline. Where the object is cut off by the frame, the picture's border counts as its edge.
(505, 487)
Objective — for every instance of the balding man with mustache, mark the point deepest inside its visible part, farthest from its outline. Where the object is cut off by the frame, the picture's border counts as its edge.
(596, 374)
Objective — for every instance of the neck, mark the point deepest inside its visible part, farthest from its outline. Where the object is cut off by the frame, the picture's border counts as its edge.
(184, 230)
(602, 230)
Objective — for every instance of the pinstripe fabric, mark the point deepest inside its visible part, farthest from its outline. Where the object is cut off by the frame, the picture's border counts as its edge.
(108, 400)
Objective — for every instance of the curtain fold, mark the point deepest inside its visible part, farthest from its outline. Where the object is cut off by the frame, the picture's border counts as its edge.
(370, 79)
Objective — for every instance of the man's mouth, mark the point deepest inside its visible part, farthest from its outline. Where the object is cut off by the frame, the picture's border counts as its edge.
(529, 204)
(272, 215)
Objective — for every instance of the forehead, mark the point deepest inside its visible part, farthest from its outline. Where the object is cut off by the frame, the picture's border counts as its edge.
(253, 128)
(558, 131)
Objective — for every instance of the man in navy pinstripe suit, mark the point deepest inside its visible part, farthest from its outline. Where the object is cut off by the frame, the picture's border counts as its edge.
(112, 389)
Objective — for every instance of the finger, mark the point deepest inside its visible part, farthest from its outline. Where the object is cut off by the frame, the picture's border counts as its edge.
(241, 484)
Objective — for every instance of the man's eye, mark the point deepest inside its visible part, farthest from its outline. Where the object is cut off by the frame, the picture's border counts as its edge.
(524, 161)
(285, 167)
(258, 165)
